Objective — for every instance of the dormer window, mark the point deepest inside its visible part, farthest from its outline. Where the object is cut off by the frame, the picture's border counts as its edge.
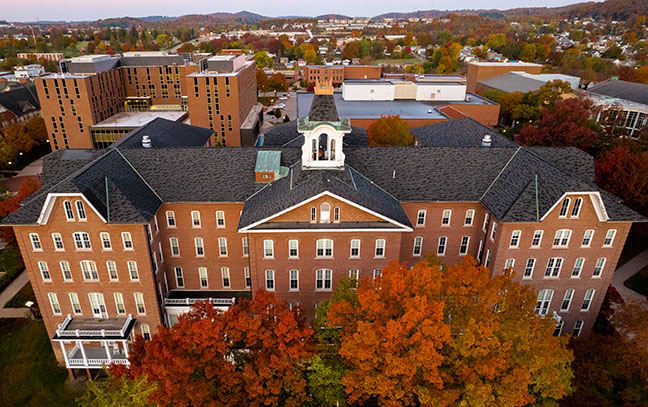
(325, 212)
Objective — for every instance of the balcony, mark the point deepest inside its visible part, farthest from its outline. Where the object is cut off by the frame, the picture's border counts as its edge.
(96, 357)
(91, 328)
(220, 299)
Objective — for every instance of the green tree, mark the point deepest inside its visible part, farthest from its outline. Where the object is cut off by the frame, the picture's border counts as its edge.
(528, 53)
(263, 60)
(390, 131)
(122, 392)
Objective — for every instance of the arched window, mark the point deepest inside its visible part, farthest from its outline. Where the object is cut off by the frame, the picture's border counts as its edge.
(564, 208)
(577, 205)
(69, 215)
(325, 212)
(80, 210)
(323, 152)
(313, 214)
(336, 214)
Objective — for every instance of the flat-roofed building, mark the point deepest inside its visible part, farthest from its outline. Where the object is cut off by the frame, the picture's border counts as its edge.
(478, 71)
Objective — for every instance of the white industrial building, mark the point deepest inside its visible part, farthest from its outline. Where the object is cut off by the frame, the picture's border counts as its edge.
(388, 90)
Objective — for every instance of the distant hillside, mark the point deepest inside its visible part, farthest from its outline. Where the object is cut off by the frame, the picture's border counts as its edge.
(332, 16)
(122, 22)
(493, 13)
(619, 10)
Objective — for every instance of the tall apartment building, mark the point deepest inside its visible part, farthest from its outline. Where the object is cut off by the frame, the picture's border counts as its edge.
(222, 97)
(120, 241)
(93, 88)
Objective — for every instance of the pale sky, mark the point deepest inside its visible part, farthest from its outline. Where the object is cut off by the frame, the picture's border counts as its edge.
(74, 10)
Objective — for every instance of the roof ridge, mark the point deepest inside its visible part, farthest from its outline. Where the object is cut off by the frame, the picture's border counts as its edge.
(139, 175)
(500, 173)
(373, 183)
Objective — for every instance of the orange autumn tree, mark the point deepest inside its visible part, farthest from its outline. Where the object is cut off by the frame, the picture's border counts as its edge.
(28, 187)
(250, 355)
(390, 131)
(441, 336)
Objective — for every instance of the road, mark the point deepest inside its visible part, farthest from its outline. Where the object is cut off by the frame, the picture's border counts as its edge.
(625, 272)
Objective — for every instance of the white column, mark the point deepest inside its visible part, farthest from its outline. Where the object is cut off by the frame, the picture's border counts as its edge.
(126, 349)
(85, 359)
(107, 351)
(65, 355)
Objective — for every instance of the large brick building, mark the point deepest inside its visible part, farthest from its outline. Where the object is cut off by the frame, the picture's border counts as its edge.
(93, 88)
(478, 71)
(337, 74)
(120, 241)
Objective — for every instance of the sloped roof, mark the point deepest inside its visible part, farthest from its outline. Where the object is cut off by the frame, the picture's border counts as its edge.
(323, 109)
(20, 100)
(632, 91)
(465, 132)
(166, 133)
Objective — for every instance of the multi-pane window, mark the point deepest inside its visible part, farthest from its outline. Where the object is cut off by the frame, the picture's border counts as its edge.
(269, 279)
(225, 275)
(175, 246)
(105, 241)
(553, 267)
(324, 248)
(587, 238)
(248, 278)
(509, 263)
(487, 260)
(587, 301)
(132, 271)
(528, 269)
(35, 241)
(82, 241)
(420, 218)
(53, 299)
(313, 215)
(112, 271)
(578, 267)
(65, 270)
(246, 246)
(445, 218)
(293, 248)
(355, 248)
(128, 241)
(336, 214)
(195, 219)
(559, 327)
(268, 248)
(220, 219)
(200, 248)
(376, 273)
(609, 238)
(485, 225)
(441, 249)
(179, 277)
(146, 332)
(577, 206)
(463, 247)
(418, 245)
(170, 217)
(58, 242)
(561, 239)
(515, 239)
(470, 215)
(89, 270)
(119, 303)
(44, 270)
(139, 303)
(569, 294)
(222, 247)
(202, 274)
(76, 305)
(598, 268)
(537, 239)
(69, 214)
(564, 208)
(294, 280)
(323, 279)
(578, 327)
(380, 248)
(493, 231)
(354, 274)
(544, 300)
(80, 210)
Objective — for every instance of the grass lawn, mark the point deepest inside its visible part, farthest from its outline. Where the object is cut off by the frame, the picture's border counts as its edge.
(638, 282)
(25, 294)
(29, 374)
(396, 61)
(10, 263)
(265, 100)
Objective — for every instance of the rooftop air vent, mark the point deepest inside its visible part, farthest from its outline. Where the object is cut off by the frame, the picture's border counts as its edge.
(146, 142)
(486, 141)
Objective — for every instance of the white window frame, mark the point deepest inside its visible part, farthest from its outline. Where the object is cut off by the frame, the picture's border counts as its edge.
(140, 305)
(84, 239)
(245, 243)
(36, 243)
(325, 212)
(324, 249)
(69, 211)
(587, 240)
(196, 223)
(562, 238)
(127, 240)
(578, 267)
(293, 276)
(564, 208)
(179, 277)
(537, 235)
(445, 220)
(66, 271)
(578, 328)
(464, 245)
(146, 332)
(119, 300)
(609, 238)
(528, 268)
(105, 238)
(417, 248)
(44, 271)
(268, 249)
(171, 219)
(587, 300)
(493, 231)
(578, 203)
(567, 300)
(220, 219)
(199, 245)
(509, 263)
(133, 274)
(599, 267)
(222, 247)
(175, 248)
(225, 277)
(203, 277)
(469, 220)
(354, 274)
(442, 246)
(270, 280)
(420, 218)
(313, 214)
(54, 303)
(111, 267)
(543, 302)
(336, 214)
(247, 276)
(80, 209)
(323, 280)
(486, 220)
(293, 245)
(516, 235)
(58, 239)
(75, 304)
(89, 270)
(351, 255)
(554, 266)
(487, 260)
(380, 249)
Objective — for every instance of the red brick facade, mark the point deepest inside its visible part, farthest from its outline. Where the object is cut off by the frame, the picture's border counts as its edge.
(339, 73)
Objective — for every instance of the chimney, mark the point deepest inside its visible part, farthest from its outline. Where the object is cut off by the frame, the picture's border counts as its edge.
(486, 141)
(146, 142)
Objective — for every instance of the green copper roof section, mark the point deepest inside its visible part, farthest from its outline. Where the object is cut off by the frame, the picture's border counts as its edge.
(305, 124)
(268, 161)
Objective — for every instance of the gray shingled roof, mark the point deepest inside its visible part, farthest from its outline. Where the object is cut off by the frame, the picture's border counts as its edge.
(511, 82)
(632, 91)
(166, 133)
(286, 135)
(323, 109)
(20, 100)
(464, 132)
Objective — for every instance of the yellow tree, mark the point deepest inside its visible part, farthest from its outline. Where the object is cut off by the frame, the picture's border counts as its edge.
(390, 131)
(432, 335)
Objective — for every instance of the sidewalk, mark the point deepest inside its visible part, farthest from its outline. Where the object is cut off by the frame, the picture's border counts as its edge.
(8, 294)
(625, 272)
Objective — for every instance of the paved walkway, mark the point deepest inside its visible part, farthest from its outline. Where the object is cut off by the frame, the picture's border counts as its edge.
(8, 294)
(35, 168)
(625, 272)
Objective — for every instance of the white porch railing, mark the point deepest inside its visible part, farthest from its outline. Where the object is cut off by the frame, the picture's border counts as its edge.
(190, 301)
(63, 332)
